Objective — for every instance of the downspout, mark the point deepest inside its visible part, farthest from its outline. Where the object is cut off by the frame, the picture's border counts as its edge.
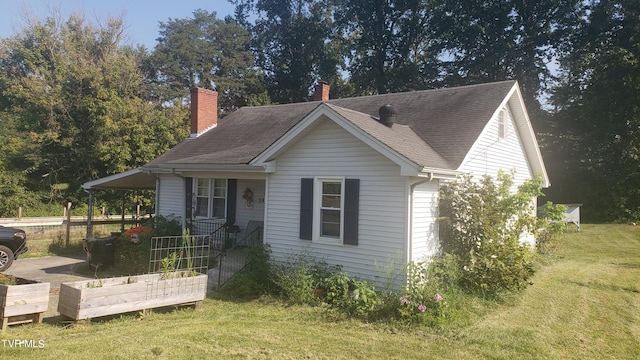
(411, 191)
(265, 214)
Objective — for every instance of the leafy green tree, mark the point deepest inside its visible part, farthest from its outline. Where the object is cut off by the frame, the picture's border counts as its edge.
(295, 43)
(391, 48)
(13, 190)
(503, 39)
(207, 52)
(75, 94)
(598, 113)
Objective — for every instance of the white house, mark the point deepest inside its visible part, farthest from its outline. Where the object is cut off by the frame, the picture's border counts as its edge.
(351, 181)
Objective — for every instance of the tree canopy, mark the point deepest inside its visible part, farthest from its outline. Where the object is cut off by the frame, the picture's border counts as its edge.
(598, 112)
(72, 101)
(77, 104)
(207, 52)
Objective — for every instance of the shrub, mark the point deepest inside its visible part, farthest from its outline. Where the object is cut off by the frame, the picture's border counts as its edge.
(365, 300)
(298, 281)
(482, 223)
(139, 232)
(308, 281)
(550, 226)
(167, 226)
(349, 295)
(255, 279)
(426, 296)
(133, 258)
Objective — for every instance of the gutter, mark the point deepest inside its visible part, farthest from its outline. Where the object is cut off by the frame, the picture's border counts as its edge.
(444, 174)
(219, 167)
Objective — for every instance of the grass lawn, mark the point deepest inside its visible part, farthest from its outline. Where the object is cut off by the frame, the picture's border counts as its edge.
(584, 304)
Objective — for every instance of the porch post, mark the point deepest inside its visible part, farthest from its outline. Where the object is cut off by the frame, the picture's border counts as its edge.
(122, 210)
(90, 215)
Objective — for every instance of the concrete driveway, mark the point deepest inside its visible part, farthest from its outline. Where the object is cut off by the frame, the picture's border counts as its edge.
(52, 269)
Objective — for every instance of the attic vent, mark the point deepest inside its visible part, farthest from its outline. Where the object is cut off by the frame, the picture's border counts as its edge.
(388, 115)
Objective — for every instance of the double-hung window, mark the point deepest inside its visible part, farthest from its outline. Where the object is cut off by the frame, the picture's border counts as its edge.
(331, 208)
(211, 197)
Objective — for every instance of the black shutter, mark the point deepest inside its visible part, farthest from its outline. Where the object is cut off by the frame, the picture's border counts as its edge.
(351, 206)
(188, 197)
(306, 209)
(232, 190)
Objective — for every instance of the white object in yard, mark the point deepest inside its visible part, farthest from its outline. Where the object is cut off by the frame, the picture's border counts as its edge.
(572, 215)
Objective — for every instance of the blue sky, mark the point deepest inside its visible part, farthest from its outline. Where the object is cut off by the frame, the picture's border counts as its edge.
(141, 16)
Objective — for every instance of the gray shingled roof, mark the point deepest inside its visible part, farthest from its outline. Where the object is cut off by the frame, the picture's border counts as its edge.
(434, 128)
(401, 138)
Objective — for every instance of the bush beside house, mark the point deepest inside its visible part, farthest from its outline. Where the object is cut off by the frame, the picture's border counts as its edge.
(482, 257)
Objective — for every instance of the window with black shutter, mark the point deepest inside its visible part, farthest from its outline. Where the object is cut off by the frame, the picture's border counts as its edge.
(329, 209)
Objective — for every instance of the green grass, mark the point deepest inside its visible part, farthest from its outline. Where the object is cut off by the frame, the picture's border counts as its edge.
(583, 304)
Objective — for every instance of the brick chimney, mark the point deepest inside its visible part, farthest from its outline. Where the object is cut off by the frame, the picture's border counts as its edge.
(321, 92)
(204, 110)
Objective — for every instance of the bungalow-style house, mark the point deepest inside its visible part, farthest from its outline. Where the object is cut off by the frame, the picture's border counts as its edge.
(352, 181)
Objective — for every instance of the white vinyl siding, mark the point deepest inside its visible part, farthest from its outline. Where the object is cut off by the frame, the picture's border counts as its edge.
(171, 196)
(330, 151)
(491, 153)
(254, 211)
(425, 221)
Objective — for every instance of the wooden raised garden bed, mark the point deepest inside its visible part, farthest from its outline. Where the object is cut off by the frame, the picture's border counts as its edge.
(23, 303)
(102, 297)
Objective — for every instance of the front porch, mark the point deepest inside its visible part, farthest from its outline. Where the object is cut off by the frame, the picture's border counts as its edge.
(222, 235)
(224, 210)
(228, 245)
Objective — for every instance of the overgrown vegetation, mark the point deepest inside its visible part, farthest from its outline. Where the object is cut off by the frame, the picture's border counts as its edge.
(485, 225)
(483, 256)
(133, 247)
(583, 305)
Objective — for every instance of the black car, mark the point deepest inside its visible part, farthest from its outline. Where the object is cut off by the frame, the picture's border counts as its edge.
(13, 242)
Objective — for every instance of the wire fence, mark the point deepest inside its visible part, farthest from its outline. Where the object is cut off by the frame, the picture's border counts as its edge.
(49, 233)
(170, 253)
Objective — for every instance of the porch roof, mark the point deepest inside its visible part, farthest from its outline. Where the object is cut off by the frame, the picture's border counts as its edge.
(134, 179)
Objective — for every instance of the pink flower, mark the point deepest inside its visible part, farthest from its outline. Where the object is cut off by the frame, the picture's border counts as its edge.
(404, 301)
(422, 308)
(437, 297)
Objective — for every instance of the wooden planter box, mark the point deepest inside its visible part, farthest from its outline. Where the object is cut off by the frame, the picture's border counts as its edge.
(23, 303)
(102, 297)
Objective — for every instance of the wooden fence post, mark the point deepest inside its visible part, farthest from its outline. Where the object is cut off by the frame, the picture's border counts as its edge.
(68, 239)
